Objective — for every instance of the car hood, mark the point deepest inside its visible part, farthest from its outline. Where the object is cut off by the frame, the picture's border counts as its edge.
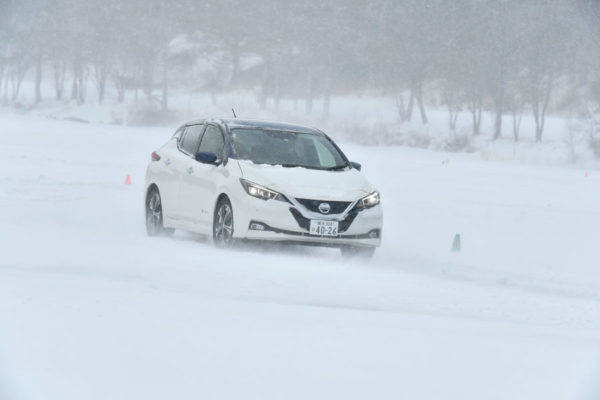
(304, 183)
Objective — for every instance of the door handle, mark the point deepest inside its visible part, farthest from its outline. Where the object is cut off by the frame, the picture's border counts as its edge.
(190, 170)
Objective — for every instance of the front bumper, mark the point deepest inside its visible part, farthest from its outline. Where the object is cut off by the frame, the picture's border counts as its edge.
(285, 222)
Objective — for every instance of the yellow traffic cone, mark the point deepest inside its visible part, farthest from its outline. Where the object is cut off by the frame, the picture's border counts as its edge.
(456, 243)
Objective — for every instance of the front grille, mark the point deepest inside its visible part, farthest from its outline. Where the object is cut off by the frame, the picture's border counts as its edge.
(336, 207)
(304, 223)
(345, 224)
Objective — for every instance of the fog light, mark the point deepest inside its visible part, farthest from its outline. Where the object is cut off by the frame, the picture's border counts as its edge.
(255, 226)
(374, 234)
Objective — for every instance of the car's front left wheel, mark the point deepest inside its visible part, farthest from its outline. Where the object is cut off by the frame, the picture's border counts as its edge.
(223, 223)
(154, 215)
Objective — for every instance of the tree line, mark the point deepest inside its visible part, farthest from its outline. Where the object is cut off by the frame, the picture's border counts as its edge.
(508, 57)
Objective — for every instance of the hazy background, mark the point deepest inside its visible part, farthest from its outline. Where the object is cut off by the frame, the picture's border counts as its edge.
(92, 308)
(466, 66)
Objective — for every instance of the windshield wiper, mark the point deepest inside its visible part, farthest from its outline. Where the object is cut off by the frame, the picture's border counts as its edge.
(299, 165)
(336, 167)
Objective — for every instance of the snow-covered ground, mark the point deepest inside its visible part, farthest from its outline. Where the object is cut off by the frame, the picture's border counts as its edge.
(91, 308)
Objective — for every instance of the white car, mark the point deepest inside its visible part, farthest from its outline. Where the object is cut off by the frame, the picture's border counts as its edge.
(252, 180)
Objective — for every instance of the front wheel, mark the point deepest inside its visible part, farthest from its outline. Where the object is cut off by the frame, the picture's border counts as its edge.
(223, 224)
(357, 252)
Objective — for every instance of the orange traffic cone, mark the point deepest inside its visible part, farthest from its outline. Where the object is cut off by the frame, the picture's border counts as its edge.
(128, 180)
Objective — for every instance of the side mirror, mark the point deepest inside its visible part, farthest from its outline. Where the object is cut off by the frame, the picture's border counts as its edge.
(206, 157)
(355, 165)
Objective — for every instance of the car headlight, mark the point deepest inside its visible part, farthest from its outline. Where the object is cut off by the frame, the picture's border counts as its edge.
(369, 201)
(261, 192)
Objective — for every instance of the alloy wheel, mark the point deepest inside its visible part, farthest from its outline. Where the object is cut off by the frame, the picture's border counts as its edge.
(223, 225)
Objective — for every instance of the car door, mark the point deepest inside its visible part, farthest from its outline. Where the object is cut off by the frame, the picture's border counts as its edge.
(183, 165)
(168, 176)
(199, 186)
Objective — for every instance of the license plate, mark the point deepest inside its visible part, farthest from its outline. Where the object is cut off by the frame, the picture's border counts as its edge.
(323, 228)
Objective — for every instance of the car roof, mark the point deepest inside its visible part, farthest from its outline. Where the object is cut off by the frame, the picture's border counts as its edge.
(233, 123)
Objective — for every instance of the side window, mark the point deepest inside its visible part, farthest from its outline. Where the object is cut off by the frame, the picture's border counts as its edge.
(189, 143)
(212, 141)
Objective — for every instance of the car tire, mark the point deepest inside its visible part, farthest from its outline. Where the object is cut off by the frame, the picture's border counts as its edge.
(357, 252)
(154, 215)
(223, 224)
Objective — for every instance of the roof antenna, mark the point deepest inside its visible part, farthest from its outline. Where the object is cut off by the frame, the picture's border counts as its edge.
(233, 111)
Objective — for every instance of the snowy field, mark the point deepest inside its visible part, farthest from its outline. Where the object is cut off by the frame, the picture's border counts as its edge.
(91, 308)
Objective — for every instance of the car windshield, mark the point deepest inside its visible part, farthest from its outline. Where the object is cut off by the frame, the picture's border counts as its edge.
(289, 149)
